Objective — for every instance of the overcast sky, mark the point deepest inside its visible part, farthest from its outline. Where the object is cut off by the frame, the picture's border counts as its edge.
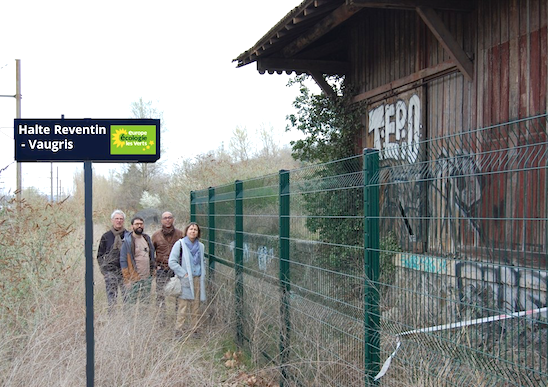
(93, 59)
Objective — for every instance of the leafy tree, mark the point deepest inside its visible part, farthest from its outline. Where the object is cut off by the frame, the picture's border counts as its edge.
(331, 124)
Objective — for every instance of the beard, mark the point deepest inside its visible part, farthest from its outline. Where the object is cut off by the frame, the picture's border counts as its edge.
(138, 231)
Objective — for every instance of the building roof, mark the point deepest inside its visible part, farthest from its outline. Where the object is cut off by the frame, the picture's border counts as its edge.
(292, 26)
(311, 37)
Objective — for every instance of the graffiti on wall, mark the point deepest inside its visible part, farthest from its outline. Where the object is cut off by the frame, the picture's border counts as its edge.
(396, 128)
(264, 255)
(485, 285)
(456, 196)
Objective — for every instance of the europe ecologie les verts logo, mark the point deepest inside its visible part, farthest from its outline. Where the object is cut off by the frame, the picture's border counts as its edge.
(132, 139)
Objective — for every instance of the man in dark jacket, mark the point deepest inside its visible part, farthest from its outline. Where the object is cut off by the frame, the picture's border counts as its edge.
(163, 241)
(137, 262)
(108, 257)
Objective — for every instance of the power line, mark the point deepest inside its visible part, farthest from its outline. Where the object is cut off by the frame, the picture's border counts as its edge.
(7, 135)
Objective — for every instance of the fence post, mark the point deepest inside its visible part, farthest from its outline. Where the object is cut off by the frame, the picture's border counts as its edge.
(371, 262)
(211, 234)
(192, 206)
(238, 260)
(285, 278)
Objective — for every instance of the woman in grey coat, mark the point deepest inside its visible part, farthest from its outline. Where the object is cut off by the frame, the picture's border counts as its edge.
(187, 262)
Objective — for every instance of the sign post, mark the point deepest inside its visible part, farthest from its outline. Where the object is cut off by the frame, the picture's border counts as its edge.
(87, 140)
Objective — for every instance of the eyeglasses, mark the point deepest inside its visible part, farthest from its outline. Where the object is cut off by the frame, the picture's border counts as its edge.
(167, 217)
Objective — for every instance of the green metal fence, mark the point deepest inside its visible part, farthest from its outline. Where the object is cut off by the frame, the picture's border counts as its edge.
(417, 265)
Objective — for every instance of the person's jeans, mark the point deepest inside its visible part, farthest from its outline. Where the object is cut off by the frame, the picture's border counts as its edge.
(139, 291)
(113, 282)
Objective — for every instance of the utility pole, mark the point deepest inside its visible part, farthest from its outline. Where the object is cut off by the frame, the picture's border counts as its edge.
(17, 97)
(18, 115)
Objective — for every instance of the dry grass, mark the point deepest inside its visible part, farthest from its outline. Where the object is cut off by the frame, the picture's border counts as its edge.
(42, 319)
(43, 338)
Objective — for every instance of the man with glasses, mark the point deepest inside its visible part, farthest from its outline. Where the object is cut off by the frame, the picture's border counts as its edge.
(108, 257)
(163, 241)
(137, 262)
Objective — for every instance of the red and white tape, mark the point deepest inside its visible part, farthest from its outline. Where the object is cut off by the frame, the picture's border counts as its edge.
(459, 324)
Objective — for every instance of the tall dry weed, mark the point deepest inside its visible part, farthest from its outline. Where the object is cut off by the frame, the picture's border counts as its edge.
(43, 315)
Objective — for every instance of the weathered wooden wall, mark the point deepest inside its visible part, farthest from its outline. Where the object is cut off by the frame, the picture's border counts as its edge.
(507, 41)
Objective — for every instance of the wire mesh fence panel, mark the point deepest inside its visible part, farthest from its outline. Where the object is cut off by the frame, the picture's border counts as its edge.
(462, 268)
(464, 287)
(261, 309)
(326, 264)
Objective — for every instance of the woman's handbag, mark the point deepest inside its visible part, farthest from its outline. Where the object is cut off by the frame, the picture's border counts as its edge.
(173, 287)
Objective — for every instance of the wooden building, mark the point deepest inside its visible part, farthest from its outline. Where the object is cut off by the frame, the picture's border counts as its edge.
(439, 70)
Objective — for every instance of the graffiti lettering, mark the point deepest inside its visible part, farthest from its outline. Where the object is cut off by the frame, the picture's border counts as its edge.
(397, 129)
(424, 263)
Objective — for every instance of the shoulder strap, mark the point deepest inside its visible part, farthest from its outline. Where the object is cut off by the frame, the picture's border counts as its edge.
(181, 258)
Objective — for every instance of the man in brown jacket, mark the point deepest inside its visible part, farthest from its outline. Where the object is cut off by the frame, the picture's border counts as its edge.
(163, 241)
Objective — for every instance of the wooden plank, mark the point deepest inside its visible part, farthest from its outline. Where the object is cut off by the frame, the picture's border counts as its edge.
(534, 18)
(504, 27)
(523, 77)
(322, 83)
(323, 50)
(534, 74)
(389, 46)
(514, 62)
(523, 46)
(380, 63)
(416, 77)
(494, 47)
(543, 14)
(334, 19)
(458, 103)
(420, 42)
(544, 65)
(449, 5)
(481, 66)
(534, 60)
(495, 81)
(398, 32)
(472, 31)
(433, 21)
(543, 80)
(505, 81)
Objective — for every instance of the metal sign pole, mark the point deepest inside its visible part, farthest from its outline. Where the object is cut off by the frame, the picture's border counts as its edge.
(114, 140)
(90, 338)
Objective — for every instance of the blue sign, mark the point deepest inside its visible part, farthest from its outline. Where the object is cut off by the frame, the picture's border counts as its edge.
(102, 140)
